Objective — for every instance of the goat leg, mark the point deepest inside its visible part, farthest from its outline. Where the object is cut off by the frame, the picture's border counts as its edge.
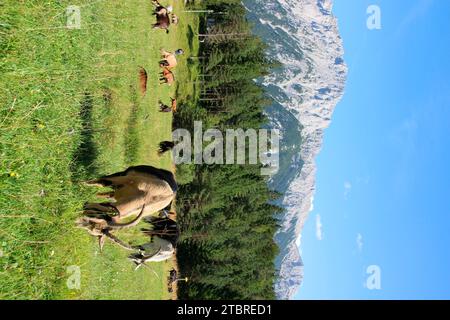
(101, 242)
(106, 195)
(94, 183)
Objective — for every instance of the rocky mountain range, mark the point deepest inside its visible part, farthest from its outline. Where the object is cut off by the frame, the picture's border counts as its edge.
(303, 35)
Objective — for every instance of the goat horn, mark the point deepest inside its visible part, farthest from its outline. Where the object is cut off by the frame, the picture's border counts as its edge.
(118, 241)
(113, 225)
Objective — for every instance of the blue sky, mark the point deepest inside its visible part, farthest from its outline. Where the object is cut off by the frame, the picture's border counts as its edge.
(384, 171)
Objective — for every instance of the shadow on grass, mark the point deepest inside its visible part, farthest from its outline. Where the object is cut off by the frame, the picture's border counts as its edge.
(132, 133)
(83, 162)
(190, 35)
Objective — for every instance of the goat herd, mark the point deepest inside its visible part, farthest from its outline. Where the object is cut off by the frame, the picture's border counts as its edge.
(140, 191)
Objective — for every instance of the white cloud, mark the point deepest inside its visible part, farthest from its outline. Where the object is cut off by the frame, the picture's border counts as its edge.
(319, 232)
(359, 241)
(347, 189)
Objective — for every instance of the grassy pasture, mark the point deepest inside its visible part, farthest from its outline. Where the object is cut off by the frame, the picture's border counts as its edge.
(70, 110)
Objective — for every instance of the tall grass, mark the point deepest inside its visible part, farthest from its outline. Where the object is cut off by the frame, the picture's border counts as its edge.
(70, 110)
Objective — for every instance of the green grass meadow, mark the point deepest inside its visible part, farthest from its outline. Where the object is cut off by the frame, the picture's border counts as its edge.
(71, 110)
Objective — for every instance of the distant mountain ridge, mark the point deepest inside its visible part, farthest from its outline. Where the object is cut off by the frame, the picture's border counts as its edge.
(302, 35)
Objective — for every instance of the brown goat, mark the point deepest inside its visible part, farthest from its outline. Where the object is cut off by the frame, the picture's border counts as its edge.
(143, 77)
(169, 60)
(162, 22)
(167, 76)
(162, 17)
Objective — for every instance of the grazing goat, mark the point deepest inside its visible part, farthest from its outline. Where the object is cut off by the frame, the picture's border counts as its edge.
(162, 16)
(156, 251)
(135, 188)
(167, 76)
(170, 58)
(164, 236)
(143, 81)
